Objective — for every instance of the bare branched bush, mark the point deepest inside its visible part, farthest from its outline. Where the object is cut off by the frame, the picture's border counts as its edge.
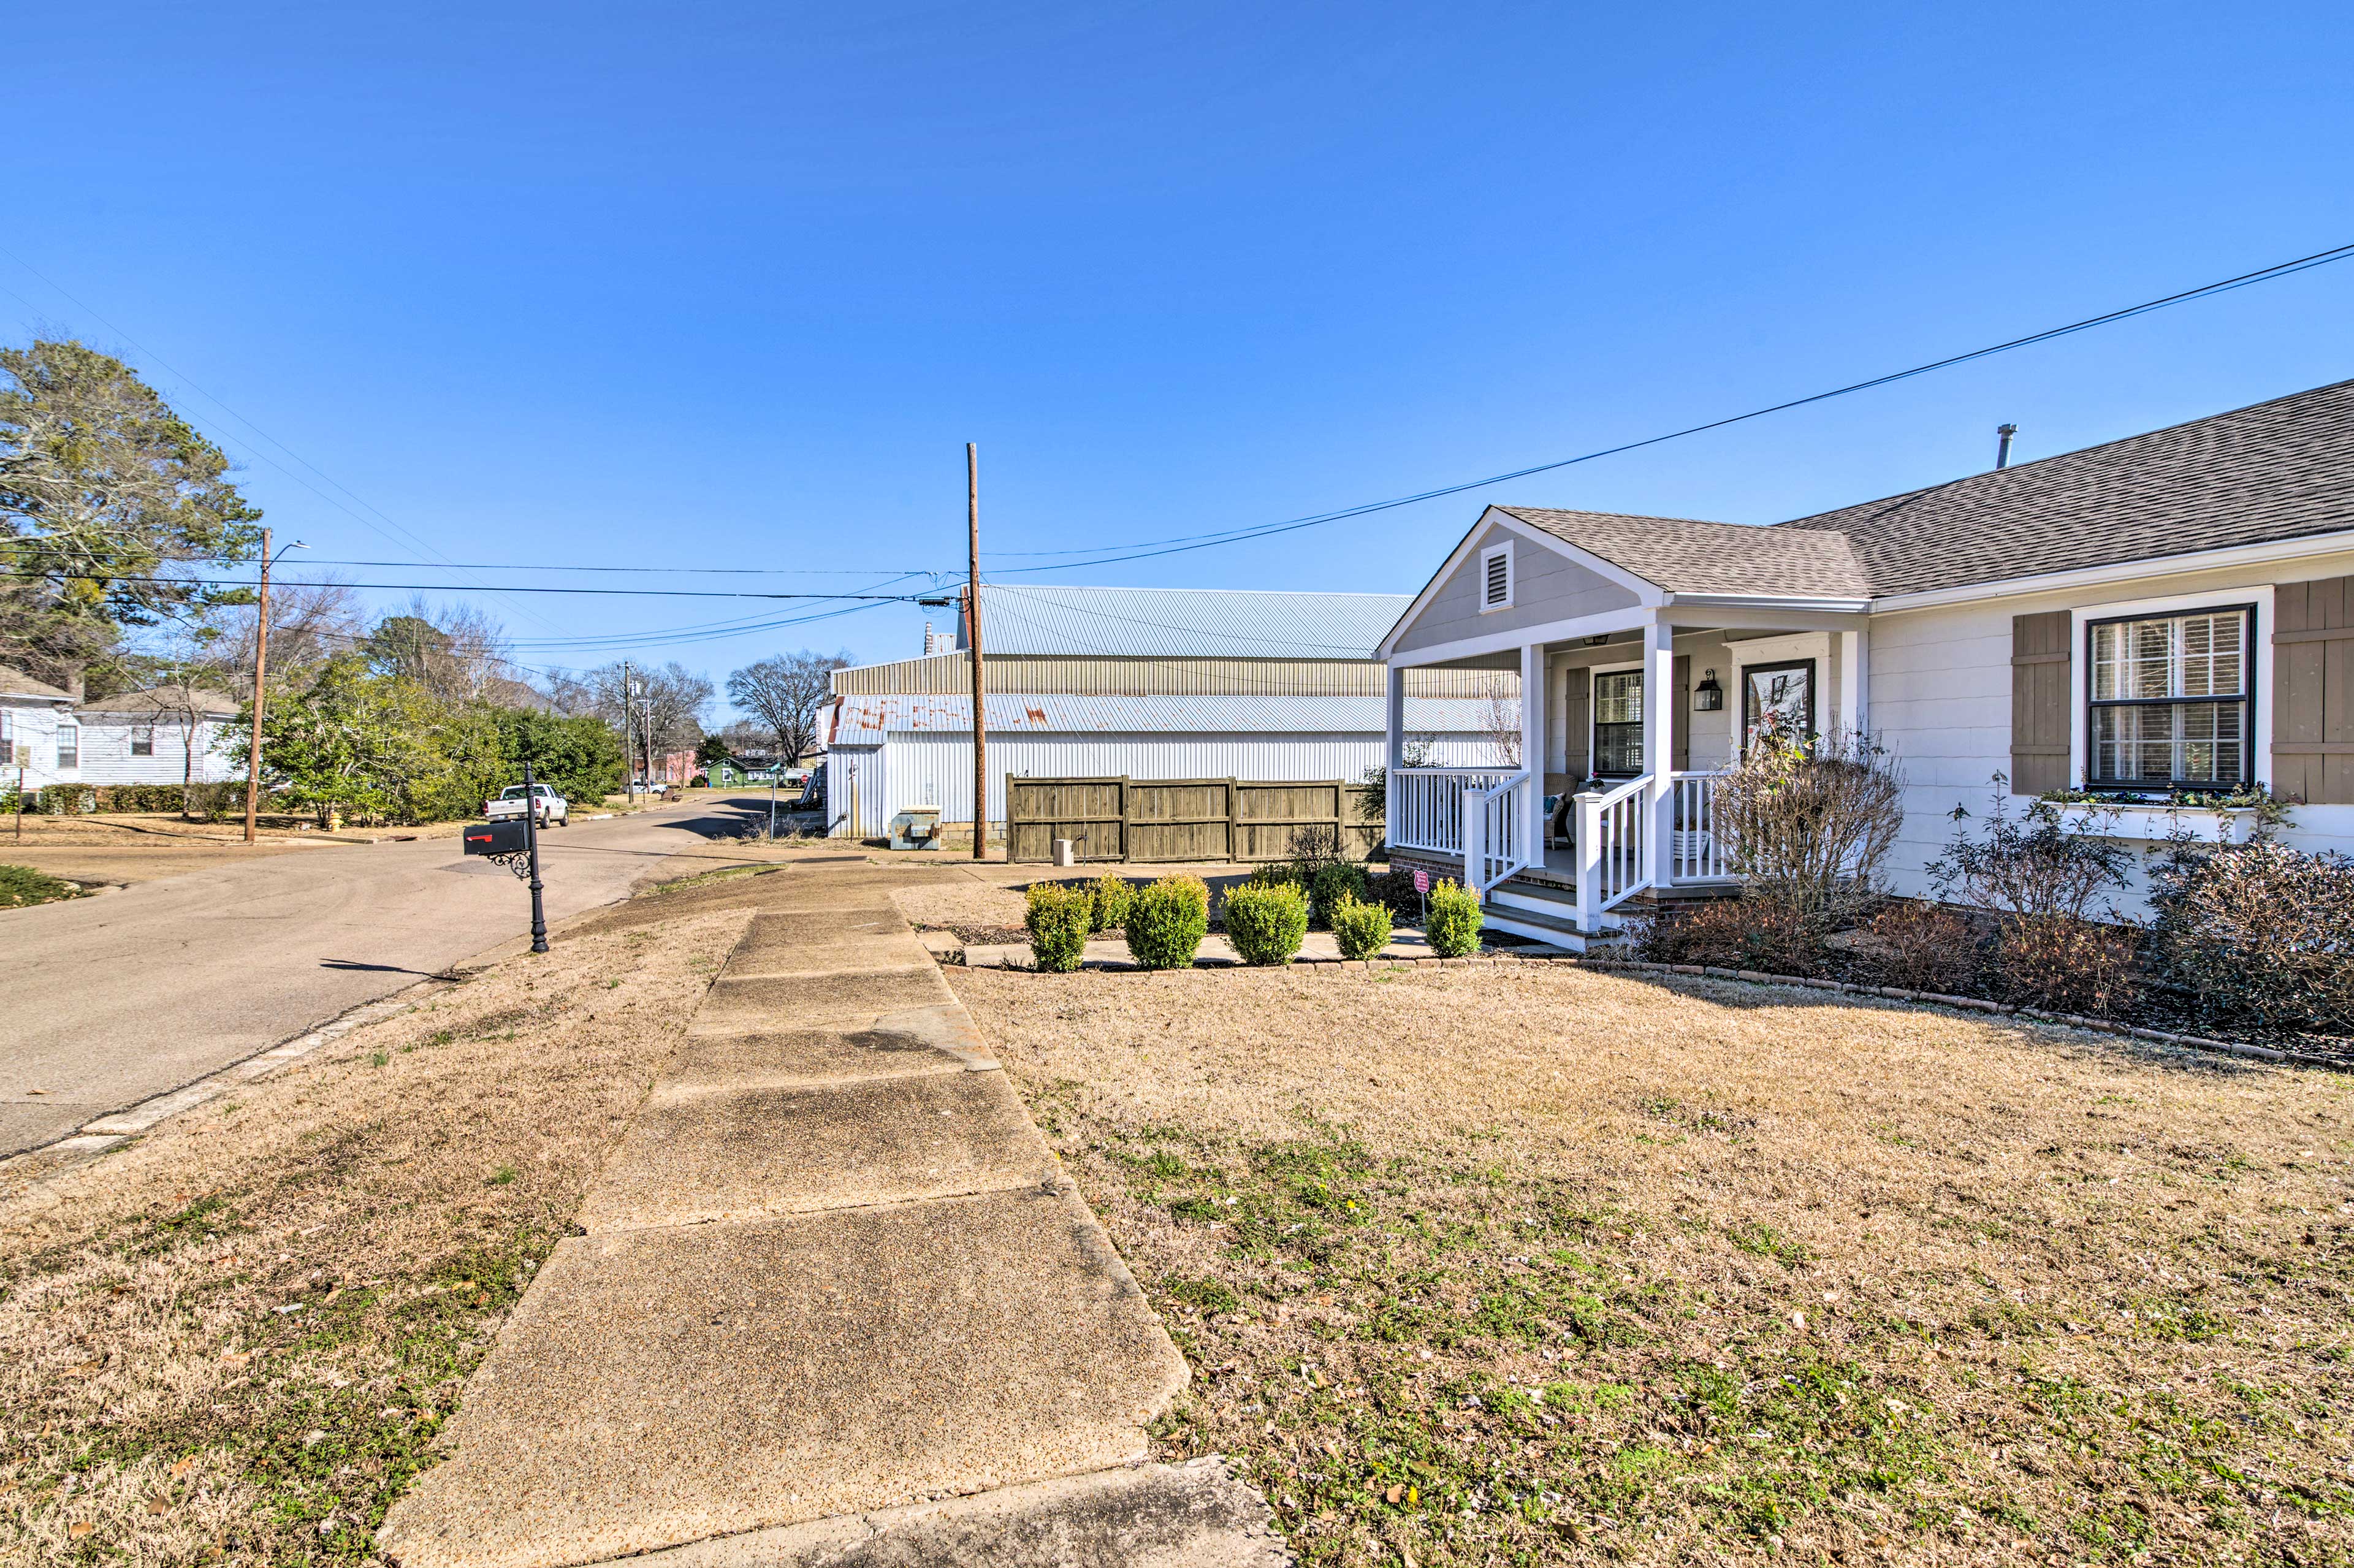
(2259, 932)
(1922, 946)
(2051, 888)
(1808, 823)
(1756, 932)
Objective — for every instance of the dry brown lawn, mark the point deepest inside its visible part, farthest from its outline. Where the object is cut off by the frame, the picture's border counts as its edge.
(236, 1338)
(1538, 1264)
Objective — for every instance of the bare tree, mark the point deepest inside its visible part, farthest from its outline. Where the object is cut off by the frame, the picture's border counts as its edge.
(455, 651)
(309, 624)
(785, 694)
(665, 705)
(1499, 725)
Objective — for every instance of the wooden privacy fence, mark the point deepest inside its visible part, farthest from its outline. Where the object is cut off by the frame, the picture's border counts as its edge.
(1187, 819)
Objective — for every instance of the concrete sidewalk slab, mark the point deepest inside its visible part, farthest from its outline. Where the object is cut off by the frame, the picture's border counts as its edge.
(814, 1000)
(752, 1154)
(656, 1387)
(831, 955)
(804, 1058)
(1194, 1515)
(774, 928)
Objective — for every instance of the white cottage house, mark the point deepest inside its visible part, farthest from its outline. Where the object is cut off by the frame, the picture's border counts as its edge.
(40, 743)
(168, 735)
(2168, 614)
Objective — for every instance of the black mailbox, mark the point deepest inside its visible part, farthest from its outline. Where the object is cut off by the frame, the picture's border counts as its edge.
(504, 836)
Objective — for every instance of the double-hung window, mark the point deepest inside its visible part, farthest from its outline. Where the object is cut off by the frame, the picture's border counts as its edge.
(69, 747)
(2171, 702)
(1619, 723)
(143, 740)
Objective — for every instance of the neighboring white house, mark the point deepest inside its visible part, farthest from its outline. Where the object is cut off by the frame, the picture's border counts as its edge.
(1142, 684)
(2164, 615)
(38, 737)
(168, 735)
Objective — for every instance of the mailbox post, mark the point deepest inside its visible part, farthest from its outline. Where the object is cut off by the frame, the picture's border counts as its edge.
(516, 845)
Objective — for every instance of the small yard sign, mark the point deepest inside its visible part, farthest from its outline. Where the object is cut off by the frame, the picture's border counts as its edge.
(1422, 882)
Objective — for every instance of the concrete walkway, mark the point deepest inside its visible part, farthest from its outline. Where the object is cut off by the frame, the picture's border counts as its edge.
(832, 1275)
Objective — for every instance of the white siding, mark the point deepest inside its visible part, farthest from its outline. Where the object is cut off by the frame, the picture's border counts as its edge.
(925, 769)
(33, 731)
(1940, 693)
(106, 753)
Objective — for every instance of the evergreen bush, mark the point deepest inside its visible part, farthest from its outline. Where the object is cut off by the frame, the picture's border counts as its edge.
(1167, 922)
(1334, 881)
(1113, 897)
(1361, 929)
(1058, 920)
(1453, 930)
(1267, 925)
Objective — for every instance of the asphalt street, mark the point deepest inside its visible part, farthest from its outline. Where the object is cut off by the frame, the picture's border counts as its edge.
(114, 999)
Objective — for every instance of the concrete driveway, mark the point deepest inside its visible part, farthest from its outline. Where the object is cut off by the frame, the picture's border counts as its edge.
(114, 999)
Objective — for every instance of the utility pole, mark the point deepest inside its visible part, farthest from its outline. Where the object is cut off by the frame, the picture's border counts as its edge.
(260, 670)
(973, 635)
(629, 746)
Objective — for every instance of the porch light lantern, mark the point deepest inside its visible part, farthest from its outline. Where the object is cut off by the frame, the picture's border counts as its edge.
(1708, 697)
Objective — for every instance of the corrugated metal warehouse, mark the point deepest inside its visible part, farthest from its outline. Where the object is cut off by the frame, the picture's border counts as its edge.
(1145, 684)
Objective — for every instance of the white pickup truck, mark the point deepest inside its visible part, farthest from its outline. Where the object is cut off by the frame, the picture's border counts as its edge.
(552, 809)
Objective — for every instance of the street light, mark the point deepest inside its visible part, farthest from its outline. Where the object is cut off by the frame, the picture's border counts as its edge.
(260, 668)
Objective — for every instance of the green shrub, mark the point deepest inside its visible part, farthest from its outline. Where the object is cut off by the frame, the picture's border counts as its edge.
(1167, 922)
(1057, 922)
(1267, 925)
(1334, 881)
(1361, 929)
(1453, 930)
(21, 885)
(1113, 897)
(1279, 873)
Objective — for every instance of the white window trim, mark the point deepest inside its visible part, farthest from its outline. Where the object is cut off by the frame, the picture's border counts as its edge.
(56, 746)
(2079, 678)
(1815, 645)
(1511, 576)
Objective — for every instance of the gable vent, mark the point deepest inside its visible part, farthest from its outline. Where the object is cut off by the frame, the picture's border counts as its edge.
(1500, 580)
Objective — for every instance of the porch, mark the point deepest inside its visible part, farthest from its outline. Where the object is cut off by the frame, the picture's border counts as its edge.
(1577, 824)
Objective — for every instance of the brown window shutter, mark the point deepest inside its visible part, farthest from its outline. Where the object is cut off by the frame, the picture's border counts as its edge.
(1577, 725)
(2038, 703)
(2313, 690)
(1680, 717)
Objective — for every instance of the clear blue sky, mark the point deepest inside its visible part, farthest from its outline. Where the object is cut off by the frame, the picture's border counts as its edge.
(732, 284)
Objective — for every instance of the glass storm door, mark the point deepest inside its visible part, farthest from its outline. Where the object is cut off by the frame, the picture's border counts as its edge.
(1779, 696)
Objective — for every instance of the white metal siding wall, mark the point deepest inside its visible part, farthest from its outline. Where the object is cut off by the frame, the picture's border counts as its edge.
(35, 732)
(935, 769)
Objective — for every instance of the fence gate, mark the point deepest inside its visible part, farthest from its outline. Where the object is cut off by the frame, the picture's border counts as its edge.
(1186, 818)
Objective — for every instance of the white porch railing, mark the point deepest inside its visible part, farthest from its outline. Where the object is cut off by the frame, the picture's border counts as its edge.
(1495, 831)
(1425, 808)
(1697, 853)
(1614, 848)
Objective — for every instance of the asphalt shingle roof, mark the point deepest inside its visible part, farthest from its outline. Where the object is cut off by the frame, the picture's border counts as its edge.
(2278, 469)
(1682, 555)
(2273, 471)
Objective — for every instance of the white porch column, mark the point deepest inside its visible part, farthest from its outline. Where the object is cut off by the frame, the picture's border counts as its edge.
(1854, 679)
(1533, 748)
(1393, 755)
(1658, 743)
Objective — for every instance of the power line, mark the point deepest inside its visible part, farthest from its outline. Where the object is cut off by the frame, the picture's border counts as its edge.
(158, 359)
(32, 544)
(447, 587)
(1186, 542)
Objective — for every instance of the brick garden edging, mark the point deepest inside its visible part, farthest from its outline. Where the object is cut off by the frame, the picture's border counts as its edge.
(1755, 977)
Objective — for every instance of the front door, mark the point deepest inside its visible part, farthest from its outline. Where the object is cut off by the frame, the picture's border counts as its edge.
(1780, 695)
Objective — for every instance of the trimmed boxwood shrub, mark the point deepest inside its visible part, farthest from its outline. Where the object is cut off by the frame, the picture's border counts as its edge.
(1279, 873)
(1267, 925)
(1167, 922)
(1112, 895)
(1334, 881)
(1453, 930)
(1057, 922)
(1361, 929)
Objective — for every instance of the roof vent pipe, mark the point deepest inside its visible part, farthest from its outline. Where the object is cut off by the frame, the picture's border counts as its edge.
(2003, 445)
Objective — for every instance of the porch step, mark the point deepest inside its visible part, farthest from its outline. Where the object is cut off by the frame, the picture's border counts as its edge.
(1554, 930)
